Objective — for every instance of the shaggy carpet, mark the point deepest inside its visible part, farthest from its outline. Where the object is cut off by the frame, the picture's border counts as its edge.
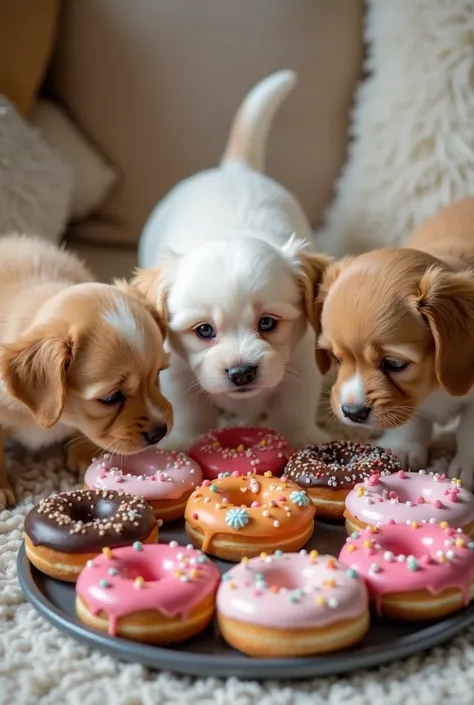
(41, 666)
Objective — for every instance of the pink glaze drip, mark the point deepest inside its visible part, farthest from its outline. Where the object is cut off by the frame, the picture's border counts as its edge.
(241, 450)
(154, 474)
(400, 558)
(412, 496)
(176, 580)
(312, 591)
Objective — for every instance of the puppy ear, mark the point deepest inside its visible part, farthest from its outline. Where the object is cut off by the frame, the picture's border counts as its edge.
(330, 274)
(142, 288)
(34, 369)
(446, 302)
(312, 268)
(152, 287)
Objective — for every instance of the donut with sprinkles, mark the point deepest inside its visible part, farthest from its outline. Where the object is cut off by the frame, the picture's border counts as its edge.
(242, 515)
(329, 471)
(241, 450)
(158, 594)
(66, 530)
(164, 478)
(410, 496)
(413, 571)
(292, 604)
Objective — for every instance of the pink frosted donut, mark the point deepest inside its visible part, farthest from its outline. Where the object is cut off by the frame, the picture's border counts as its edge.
(413, 572)
(165, 478)
(155, 593)
(409, 496)
(292, 604)
(241, 450)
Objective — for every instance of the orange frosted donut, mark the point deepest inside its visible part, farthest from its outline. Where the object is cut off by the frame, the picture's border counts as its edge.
(233, 517)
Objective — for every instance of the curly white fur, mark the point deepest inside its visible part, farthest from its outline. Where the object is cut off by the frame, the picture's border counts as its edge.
(412, 127)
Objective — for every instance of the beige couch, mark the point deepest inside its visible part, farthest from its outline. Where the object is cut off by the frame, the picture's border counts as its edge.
(155, 83)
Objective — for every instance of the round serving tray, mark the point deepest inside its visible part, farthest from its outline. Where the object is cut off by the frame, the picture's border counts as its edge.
(208, 655)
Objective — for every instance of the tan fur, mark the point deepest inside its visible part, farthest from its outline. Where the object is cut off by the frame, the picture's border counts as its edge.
(59, 353)
(414, 304)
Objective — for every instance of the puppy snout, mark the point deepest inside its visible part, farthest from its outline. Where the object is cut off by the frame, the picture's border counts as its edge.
(358, 413)
(242, 374)
(154, 435)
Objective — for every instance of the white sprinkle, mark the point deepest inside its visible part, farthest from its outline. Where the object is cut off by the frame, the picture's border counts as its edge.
(401, 558)
(333, 603)
(433, 520)
(388, 556)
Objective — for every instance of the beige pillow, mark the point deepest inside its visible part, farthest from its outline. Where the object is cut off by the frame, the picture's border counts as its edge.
(93, 177)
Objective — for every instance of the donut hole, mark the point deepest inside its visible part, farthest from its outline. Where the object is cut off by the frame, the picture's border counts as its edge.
(281, 578)
(137, 567)
(407, 494)
(400, 546)
(232, 438)
(101, 509)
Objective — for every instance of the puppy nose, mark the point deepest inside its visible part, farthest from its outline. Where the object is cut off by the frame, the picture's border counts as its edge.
(242, 374)
(155, 434)
(356, 413)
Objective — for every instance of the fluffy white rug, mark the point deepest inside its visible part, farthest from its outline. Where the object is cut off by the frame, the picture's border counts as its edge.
(412, 126)
(35, 183)
(41, 666)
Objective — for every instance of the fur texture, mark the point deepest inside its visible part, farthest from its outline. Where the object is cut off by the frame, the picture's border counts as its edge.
(236, 287)
(413, 145)
(400, 325)
(75, 355)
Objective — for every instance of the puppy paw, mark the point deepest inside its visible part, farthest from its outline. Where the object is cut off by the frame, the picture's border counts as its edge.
(300, 438)
(7, 496)
(462, 467)
(412, 456)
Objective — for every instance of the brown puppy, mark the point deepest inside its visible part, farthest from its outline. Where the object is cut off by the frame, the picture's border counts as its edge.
(75, 355)
(400, 326)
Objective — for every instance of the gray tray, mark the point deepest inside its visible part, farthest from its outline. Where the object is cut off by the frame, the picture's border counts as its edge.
(208, 655)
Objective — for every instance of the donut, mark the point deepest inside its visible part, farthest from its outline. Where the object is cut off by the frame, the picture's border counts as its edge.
(243, 515)
(413, 571)
(156, 594)
(66, 530)
(329, 471)
(410, 496)
(242, 449)
(292, 604)
(164, 478)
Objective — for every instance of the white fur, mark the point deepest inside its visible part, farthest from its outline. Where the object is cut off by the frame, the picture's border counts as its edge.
(411, 441)
(223, 241)
(352, 391)
(413, 146)
(124, 322)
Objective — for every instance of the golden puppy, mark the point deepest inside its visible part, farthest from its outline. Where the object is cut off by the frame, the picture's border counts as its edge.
(400, 326)
(75, 355)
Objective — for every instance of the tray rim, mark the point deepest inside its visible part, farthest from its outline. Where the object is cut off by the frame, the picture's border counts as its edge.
(238, 665)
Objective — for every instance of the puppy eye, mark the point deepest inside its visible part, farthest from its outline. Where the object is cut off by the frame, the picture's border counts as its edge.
(205, 331)
(336, 359)
(267, 324)
(113, 398)
(388, 365)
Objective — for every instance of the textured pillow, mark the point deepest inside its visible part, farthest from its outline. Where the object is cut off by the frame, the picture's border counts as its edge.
(93, 177)
(35, 183)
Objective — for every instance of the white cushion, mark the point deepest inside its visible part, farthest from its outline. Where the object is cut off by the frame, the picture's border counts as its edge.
(35, 183)
(93, 177)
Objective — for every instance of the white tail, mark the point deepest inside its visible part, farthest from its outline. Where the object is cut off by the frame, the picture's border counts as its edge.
(248, 135)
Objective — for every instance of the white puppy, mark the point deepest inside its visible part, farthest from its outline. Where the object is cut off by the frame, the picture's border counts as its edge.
(237, 288)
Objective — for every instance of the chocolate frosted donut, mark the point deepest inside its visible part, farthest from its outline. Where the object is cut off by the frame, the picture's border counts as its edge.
(66, 530)
(329, 471)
